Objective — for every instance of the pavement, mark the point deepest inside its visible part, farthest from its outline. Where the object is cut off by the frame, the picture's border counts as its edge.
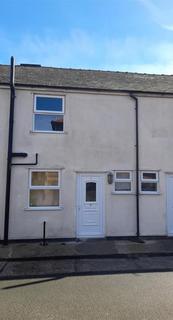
(93, 256)
(85, 248)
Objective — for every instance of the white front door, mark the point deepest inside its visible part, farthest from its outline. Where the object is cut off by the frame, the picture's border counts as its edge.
(170, 204)
(90, 206)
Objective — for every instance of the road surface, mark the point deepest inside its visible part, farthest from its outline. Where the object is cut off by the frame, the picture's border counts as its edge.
(140, 296)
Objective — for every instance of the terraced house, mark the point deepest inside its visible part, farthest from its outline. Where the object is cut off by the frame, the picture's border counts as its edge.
(88, 152)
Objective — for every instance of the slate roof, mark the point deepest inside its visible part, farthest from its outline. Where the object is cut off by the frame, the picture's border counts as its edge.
(87, 79)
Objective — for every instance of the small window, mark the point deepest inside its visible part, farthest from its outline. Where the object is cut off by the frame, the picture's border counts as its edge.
(49, 114)
(149, 176)
(91, 192)
(44, 189)
(122, 175)
(123, 182)
(149, 182)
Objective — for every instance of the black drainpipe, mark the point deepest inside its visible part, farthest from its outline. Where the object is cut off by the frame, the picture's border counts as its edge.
(137, 164)
(9, 155)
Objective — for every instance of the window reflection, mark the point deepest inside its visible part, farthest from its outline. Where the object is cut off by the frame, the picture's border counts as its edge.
(49, 104)
(48, 122)
(57, 125)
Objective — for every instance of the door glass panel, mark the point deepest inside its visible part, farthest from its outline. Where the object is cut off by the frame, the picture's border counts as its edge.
(91, 192)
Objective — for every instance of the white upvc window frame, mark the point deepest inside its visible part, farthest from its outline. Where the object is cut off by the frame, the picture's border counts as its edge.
(143, 180)
(31, 187)
(130, 179)
(45, 112)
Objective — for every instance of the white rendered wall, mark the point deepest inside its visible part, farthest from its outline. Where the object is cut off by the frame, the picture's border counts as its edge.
(99, 137)
(156, 153)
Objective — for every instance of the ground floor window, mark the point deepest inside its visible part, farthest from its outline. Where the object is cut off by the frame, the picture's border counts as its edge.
(149, 182)
(123, 182)
(44, 188)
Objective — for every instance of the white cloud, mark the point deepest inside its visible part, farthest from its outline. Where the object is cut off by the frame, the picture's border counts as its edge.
(50, 50)
(167, 27)
(82, 50)
(149, 68)
(161, 12)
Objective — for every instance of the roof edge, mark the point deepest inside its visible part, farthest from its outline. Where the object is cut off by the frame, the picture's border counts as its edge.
(32, 65)
(88, 89)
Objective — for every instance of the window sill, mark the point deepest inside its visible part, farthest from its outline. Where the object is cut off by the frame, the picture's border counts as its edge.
(122, 193)
(133, 193)
(44, 208)
(49, 132)
(150, 193)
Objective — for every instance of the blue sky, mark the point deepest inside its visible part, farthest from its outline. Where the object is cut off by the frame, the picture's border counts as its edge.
(124, 35)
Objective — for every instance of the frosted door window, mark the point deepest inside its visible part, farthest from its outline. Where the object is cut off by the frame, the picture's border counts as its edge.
(90, 191)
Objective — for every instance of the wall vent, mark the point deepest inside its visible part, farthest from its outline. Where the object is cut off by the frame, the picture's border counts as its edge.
(30, 65)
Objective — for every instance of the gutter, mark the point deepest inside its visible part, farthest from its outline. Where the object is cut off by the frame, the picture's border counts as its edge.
(9, 154)
(42, 86)
(137, 165)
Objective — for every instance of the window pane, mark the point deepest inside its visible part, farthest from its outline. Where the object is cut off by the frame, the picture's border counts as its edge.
(149, 175)
(44, 178)
(44, 198)
(123, 175)
(49, 104)
(122, 186)
(149, 186)
(45, 122)
(90, 191)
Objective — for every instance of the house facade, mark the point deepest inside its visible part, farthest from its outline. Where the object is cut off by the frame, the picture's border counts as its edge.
(84, 128)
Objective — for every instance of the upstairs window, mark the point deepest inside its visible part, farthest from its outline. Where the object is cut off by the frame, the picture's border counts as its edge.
(49, 114)
(149, 182)
(123, 182)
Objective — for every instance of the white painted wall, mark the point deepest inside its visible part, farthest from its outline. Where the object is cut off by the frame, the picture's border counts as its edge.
(156, 153)
(99, 136)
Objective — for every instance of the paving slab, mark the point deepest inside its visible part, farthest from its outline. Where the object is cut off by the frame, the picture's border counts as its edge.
(85, 248)
(33, 268)
(31, 250)
(96, 247)
(149, 246)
